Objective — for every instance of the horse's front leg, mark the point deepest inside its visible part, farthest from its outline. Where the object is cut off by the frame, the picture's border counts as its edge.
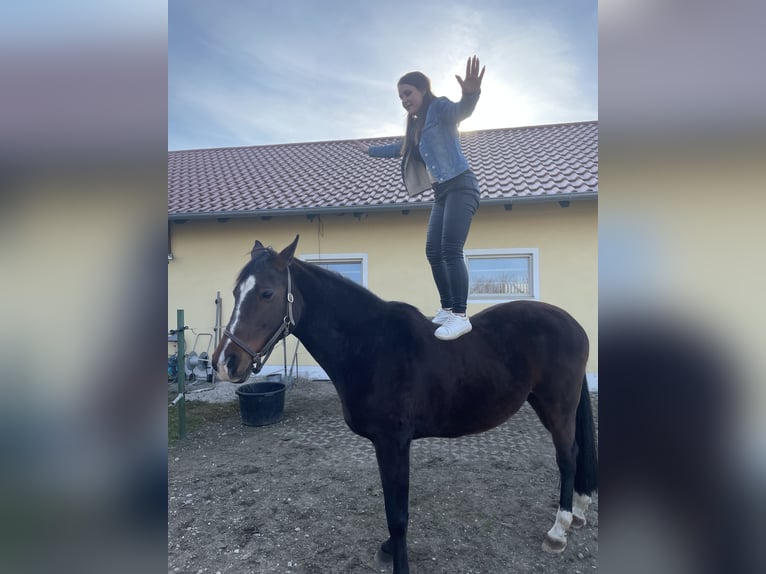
(394, 465)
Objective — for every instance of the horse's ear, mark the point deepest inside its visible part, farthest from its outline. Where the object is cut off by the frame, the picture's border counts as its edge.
(257, 247)
(286, 256)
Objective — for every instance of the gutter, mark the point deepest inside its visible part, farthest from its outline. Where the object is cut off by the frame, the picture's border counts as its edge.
(352, 209)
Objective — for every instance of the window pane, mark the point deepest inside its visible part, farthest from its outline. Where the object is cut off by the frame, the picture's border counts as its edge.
(500, 276)
(350, 269)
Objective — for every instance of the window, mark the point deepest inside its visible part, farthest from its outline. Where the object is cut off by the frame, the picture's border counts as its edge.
(351, 265)
(497, 275)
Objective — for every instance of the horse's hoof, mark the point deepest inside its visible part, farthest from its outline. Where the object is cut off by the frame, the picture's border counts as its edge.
(382, 560)
(578, 522)
(553, 546)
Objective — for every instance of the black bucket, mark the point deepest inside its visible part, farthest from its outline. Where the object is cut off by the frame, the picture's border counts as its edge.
(261, 404)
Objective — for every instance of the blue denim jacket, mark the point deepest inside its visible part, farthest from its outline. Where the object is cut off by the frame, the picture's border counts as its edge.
(439, 142)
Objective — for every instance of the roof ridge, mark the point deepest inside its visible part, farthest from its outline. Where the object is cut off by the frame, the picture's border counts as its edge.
(347, 140)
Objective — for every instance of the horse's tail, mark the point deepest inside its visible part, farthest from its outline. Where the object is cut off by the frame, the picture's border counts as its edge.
(586, 475)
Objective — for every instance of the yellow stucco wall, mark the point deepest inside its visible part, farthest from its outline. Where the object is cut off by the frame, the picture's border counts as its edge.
(208, 255)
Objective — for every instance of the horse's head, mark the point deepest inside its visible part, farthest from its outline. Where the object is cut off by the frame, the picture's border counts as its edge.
(262, 313)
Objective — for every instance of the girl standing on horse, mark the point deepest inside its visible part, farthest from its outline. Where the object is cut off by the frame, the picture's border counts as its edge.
(432, 158)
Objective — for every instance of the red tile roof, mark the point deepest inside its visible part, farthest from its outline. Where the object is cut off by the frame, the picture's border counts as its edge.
(533, 163)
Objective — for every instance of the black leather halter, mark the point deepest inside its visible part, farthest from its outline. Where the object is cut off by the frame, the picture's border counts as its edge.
(257, 359)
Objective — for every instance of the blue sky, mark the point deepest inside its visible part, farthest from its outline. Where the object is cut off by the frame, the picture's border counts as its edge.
(253, 72)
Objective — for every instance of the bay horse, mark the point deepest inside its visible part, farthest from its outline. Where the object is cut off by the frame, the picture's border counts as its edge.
(397, 382)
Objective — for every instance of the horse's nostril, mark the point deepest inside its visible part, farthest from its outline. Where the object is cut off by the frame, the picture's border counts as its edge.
(231, 363)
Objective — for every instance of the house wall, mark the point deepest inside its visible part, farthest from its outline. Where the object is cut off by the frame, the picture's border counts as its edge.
(208, 255)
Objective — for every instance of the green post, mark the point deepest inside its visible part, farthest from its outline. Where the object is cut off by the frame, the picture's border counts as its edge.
(181, 374)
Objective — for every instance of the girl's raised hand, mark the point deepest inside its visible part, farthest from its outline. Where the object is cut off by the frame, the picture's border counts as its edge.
(472, 82)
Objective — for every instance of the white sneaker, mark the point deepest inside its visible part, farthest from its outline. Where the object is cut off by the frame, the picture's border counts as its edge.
(453, 328)
(441, 317)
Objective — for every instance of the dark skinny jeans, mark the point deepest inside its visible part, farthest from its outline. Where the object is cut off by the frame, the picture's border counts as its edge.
(455, 203)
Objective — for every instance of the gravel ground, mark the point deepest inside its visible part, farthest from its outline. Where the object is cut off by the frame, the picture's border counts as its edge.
(303, 496)
(220, 391)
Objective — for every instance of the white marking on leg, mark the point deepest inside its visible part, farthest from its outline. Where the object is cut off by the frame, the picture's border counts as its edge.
(562, 524)
(244, 290)
(580, 505)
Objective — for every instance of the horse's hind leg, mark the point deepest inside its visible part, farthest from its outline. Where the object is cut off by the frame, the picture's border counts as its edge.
(556, 538)
(586, 474)
(580, 506)
(562, 429)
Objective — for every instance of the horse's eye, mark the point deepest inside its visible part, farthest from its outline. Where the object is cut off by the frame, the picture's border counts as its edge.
(267, 294)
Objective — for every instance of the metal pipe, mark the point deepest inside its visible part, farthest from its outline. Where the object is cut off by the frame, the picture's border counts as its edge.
(181, 373)
(217, 327)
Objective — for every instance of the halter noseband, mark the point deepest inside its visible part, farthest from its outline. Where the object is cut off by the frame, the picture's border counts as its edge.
(258, 359)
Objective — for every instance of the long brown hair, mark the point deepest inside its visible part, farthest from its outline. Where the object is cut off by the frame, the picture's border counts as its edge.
(415, 124)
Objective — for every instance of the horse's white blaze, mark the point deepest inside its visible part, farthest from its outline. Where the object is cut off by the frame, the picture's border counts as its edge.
(580, 505)
(563, 522)
(244, 290)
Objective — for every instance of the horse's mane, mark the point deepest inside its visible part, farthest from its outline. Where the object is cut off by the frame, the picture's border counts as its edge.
(264, 255)
(353, 293)
(352, 288)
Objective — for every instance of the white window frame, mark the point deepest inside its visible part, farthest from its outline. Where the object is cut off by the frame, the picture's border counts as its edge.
(339, 258)
(531, 252)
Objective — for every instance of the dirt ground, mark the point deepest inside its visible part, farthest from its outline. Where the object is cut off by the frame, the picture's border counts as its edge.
(303, 496)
